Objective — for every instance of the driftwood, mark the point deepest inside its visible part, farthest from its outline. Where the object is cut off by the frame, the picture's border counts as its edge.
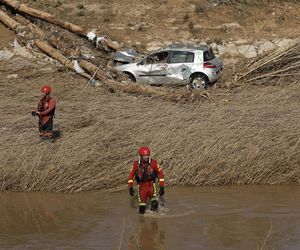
(24, 9)
(9, 22)
(42, 45)
(49, 50)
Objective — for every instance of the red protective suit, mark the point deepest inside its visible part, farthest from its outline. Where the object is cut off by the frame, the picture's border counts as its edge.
(145, 174)
(46, 108)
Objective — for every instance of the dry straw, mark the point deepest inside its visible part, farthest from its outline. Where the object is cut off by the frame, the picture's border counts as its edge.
(282, 63)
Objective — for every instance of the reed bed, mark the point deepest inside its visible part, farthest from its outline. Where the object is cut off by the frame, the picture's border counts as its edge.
(246, 137)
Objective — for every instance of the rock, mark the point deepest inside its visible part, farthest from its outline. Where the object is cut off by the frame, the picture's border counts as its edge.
(230, 60)
(12, 76)
(173, 28)
(21, 51)
(214, 46)
(152, 46)
(241, 42)
(229, 49)
(247, 51)
(167, 43)
(231, 26)
(283, 42)
(264, 46)
(203, 43)
(5, 54)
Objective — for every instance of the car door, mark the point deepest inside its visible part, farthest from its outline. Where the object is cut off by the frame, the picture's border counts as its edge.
(179, 67)
(158, 68)
(143, 70)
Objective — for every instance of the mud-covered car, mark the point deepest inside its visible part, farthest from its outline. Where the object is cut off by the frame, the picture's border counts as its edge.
(192, 65)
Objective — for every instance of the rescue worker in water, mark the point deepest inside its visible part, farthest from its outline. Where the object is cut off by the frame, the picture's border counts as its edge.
(145, 171)
(45, 111)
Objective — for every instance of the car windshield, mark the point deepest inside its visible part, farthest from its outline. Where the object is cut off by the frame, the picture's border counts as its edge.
(209, 55)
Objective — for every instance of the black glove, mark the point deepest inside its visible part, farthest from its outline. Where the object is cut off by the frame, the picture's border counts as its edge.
(161, 191)
(153, 176)
(131, 191)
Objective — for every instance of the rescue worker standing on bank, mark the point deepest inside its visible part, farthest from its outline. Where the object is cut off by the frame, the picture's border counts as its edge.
(145, 171)
(45, 111)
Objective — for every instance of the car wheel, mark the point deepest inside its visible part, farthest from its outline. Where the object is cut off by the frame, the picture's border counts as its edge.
(199, 81)
(131, 78)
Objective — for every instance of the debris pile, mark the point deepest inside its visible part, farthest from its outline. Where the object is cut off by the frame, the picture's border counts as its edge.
(90, 57)
(280, 64)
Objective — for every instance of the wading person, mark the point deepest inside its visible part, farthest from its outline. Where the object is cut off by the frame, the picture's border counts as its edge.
(145, 171)
(45, 111)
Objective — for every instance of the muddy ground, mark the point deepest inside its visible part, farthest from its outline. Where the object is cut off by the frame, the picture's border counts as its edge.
(244, 135)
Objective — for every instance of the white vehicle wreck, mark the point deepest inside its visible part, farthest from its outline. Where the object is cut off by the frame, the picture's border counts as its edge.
(192, 65)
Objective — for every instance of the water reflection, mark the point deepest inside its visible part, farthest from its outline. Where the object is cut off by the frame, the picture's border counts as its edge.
(147, 236)
(194, 218)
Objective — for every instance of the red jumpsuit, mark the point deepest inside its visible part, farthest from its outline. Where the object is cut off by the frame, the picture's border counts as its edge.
(145, 174)
(46, 107)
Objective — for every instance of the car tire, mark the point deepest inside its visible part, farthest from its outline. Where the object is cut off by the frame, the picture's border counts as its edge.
(199, 81)
(131, 77)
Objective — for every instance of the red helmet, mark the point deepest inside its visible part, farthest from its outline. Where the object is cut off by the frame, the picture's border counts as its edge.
(144, 151)
(46, 89)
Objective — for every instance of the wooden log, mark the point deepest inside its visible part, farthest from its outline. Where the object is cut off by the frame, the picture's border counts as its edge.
(23, 8)
(94, 70)
(9, 22)
(52, 52)
(49, 50)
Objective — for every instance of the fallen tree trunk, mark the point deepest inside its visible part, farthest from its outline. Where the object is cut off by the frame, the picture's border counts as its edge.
(44, 46)
(9, 22)
(23, 8)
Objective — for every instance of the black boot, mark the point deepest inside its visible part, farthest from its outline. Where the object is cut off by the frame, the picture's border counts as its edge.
(154, 205)
(142, 209)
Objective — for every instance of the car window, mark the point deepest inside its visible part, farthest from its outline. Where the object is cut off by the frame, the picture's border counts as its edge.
(160, 57)
(209, 55)
(182, 57)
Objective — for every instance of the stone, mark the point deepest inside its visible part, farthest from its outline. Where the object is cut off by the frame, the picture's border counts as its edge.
(241, 42)
(264, 46)
(229, 49)
(21, 51)
(5, 54)
(247, 51)
(283, 42)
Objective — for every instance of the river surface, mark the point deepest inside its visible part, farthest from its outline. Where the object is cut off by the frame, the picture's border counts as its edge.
(238, 217)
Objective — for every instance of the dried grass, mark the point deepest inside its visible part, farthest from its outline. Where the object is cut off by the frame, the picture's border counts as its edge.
(279, 65)
(251, 137)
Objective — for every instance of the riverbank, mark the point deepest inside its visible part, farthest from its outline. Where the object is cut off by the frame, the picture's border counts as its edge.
(246, 135)
(235, 132)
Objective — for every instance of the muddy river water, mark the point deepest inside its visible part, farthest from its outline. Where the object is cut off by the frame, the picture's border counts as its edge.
(238, 217)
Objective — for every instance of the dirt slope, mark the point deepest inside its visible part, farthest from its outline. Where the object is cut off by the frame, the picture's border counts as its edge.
(146, 21)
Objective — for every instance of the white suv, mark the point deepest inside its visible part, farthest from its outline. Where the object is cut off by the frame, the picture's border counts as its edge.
(193, 65)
